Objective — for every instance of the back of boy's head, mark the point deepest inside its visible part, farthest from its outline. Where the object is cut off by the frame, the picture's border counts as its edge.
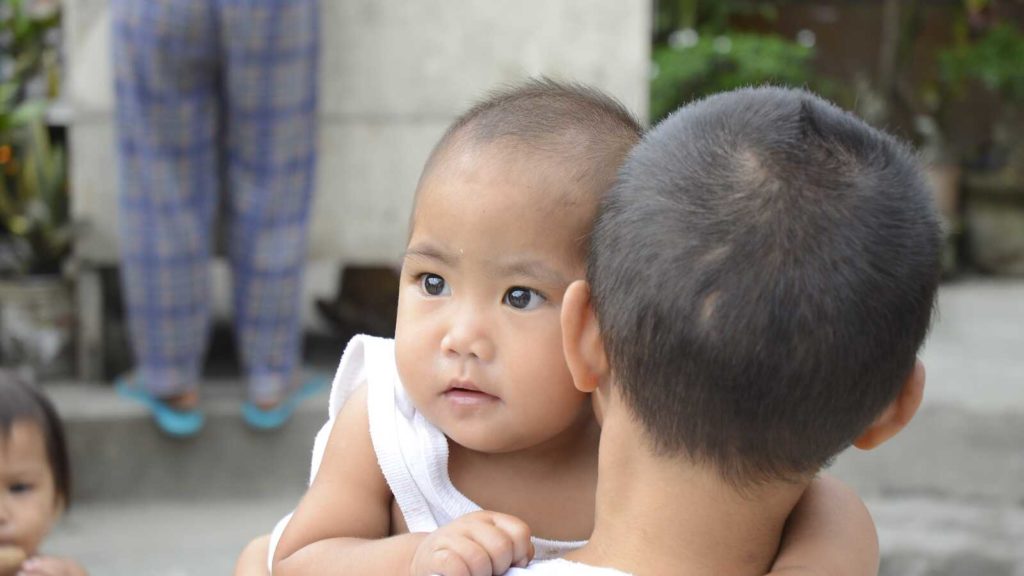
(20, 402)
(585, 131)
(764, 272)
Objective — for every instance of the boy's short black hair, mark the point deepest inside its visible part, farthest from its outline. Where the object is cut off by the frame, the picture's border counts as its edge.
(588, 131)
(764, 272)
(20, 402)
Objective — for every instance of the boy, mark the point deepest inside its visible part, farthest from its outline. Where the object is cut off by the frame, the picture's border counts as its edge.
(465, 436)
(763, 274)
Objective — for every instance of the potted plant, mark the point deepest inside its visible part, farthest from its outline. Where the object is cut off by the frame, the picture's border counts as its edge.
(994, 172)
(35, 239)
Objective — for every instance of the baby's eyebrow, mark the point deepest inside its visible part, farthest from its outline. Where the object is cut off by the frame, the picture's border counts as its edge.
(430, 252)
(537, 269)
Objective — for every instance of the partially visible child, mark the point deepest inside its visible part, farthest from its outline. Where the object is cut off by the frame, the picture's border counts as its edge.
(465, 436)
(35, 478)
(763, 275)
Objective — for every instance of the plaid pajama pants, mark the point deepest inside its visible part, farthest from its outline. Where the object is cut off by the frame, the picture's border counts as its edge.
(215, 99)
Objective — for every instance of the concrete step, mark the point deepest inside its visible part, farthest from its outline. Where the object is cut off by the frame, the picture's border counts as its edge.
(948, 451)
(119, 455)
(935, 537)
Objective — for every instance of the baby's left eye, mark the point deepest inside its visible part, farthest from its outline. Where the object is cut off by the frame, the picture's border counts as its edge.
(19, 488)
(522, 298)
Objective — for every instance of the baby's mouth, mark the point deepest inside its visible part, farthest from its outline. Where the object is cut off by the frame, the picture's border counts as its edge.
(466, 392)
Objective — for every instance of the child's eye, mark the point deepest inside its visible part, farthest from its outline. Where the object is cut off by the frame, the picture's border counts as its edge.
(19, 488)
(434, 285)
(522, 298)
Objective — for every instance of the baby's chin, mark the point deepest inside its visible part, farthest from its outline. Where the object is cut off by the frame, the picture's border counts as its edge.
(485, 441)
(11, 558)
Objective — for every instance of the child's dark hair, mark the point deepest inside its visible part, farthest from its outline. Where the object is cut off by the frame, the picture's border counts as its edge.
(588, 130)
(20, 402)
(764, 272)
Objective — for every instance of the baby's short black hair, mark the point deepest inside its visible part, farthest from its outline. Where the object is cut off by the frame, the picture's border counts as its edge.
(21, 402)
(764, 272)
(586, 130)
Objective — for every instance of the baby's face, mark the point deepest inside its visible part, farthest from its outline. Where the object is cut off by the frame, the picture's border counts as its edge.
(495, 241)
(28, 502)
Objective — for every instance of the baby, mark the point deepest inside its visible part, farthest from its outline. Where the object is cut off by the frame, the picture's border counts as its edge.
(36, 481)
(466, 436)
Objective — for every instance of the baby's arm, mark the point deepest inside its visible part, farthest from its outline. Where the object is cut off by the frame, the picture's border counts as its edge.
(343, 522)
(829, 532)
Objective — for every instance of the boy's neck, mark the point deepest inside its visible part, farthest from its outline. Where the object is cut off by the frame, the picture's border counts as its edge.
(658, 515)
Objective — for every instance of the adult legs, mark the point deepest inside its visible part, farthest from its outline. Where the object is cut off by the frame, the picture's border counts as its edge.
(270, 73)
(167, 114)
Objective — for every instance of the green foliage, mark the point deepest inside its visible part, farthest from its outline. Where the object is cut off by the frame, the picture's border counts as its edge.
(692, 67)
(996, 61)
(34, 225)
(711, 16)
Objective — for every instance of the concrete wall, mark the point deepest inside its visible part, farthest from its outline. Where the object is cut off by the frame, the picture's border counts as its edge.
(393, 75)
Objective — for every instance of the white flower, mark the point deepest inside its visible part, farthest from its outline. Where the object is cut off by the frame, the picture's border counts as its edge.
(722, 44)
(683, 38)
(806, 38)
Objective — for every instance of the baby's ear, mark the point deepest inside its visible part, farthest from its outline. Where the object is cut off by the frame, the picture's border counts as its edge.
(898, 414)
(581, 338)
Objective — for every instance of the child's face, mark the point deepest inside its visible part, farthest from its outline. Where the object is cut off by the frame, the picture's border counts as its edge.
(28, 503)
(495, 241)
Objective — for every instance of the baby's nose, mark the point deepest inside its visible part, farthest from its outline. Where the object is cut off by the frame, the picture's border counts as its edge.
(468, 336)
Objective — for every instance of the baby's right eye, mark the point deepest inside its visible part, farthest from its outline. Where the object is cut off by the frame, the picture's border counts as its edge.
(434, 285)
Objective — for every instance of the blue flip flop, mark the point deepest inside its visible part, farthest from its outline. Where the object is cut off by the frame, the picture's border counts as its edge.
(171, 421)
(274, 418)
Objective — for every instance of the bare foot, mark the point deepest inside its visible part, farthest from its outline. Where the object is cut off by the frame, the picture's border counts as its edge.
(185, 401)
(270, 404)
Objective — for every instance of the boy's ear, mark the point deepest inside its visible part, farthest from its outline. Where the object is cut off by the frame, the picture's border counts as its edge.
(898, 413)
(581, 338)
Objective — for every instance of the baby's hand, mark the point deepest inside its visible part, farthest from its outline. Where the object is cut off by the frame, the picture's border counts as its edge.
(51, 566)
(478, 544)
(11, 558)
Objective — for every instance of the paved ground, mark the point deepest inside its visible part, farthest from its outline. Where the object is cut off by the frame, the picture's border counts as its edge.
(165, 538)
(975, 354)
(947, 495)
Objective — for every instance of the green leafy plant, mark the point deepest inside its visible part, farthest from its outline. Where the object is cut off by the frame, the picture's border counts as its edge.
(695, 65)
(697, 52)
(994, 61)
(35, 233)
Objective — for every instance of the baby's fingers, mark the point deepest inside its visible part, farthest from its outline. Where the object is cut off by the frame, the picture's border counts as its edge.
(461, 557)
(518, 533)
(498, 544)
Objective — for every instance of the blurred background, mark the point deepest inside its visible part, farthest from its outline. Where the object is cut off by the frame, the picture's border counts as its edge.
(945, 75)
